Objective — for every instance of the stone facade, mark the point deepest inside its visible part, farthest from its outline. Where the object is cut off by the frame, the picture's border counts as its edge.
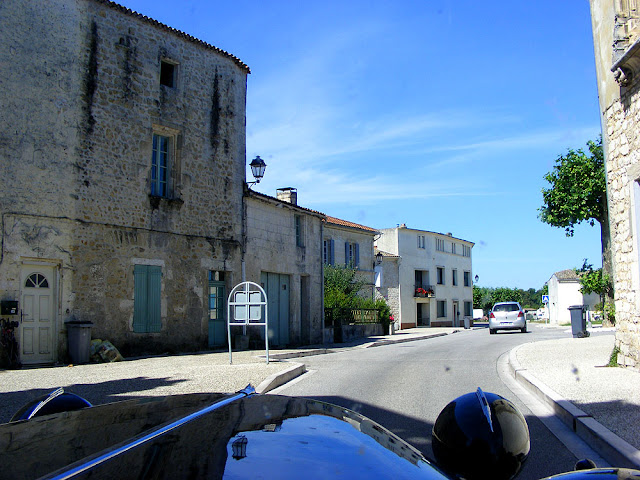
(617, 52)
(387, 282)
(86, 87)
(437, 264)
(347, 243)
(284, 256)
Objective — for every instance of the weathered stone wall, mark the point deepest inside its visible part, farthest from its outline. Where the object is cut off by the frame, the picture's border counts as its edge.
(81, 99)
(614, 34)
(622, 173)
(271, 247)
(390, 285)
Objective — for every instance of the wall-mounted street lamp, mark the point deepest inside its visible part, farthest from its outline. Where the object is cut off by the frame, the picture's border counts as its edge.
(257, 169)
(476, 279)
(239, 447)
(378, 259)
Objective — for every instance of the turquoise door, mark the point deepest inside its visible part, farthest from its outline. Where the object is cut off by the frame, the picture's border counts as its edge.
(276, 287)
(217, 310)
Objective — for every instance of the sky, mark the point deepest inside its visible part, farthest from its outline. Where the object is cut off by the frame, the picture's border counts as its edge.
(439, 114)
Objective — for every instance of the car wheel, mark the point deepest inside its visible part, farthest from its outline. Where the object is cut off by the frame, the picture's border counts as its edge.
(524, 329)
(492, 331)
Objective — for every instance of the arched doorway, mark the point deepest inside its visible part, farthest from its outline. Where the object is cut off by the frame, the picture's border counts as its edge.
(38, 314)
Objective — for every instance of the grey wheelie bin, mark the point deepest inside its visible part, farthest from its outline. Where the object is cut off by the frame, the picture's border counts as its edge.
(79, 340)
(578, 321)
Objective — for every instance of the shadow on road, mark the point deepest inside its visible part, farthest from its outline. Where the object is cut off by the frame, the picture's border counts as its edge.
(96, 393)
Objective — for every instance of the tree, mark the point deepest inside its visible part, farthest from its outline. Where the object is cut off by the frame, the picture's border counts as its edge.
(579, 193)
(595, 281)
(341, 287)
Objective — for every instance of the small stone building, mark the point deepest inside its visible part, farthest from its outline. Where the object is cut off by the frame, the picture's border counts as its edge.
(122, 154)
(284, 256)
(616, 36)
(564, 292)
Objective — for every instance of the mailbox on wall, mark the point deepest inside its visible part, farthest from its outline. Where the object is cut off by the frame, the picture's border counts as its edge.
(9, 307)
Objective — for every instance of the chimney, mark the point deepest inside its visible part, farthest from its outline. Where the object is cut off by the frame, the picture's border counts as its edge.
(288, 194)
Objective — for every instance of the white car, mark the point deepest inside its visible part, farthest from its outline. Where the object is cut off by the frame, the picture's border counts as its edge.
(507, 316)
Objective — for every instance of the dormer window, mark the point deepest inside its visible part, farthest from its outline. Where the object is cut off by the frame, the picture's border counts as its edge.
(168, 72)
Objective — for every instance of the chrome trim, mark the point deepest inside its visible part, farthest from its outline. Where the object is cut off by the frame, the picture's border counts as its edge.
(245, 392)
(484, 404)
(52, 395)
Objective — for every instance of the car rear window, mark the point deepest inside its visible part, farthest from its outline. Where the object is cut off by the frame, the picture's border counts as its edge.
(506, 307)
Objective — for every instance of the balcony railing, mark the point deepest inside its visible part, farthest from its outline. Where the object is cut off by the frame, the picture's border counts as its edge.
(425, 291)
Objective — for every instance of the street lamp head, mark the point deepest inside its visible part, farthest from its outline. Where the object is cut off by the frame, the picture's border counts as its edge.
(477, 278)
(257, 168)
(378, 258)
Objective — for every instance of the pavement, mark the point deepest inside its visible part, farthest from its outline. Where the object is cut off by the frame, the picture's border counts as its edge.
(599, 403)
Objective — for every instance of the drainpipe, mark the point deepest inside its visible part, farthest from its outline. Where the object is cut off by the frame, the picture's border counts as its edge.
(243, 268)
(322, 277)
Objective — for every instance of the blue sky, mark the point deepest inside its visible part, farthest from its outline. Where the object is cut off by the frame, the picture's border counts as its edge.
(443, 115)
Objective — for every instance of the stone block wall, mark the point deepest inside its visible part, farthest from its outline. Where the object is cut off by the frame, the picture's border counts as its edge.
(623, 175)
(82, 98)
(271, 247)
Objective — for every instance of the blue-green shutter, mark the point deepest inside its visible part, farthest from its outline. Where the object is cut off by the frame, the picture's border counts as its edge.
(332, 258)
(146, 298)
(357, 255)
(346, 253)
(154, 287)
(139, 298)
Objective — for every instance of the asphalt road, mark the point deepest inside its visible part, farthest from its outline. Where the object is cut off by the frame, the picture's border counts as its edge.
(405, 386)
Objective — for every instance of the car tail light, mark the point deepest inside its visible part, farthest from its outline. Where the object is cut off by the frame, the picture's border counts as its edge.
(491, 315)
(520, 314)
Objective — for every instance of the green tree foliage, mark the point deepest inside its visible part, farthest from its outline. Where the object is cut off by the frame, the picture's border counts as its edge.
(598, 282)
(341, 287)
(578, 193)
(484, 297)
(594, 281)
(578, 189)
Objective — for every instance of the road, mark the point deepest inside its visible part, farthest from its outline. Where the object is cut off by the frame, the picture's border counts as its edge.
(404, 387)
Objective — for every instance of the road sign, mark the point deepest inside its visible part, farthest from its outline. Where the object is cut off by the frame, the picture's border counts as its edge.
(545, 299)
(245, 306)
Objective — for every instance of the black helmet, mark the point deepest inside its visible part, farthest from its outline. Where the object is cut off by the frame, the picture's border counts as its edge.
(481, 435)
(55, 402)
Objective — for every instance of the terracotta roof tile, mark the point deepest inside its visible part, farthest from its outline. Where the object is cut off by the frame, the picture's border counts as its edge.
(345, 223)
(569, 274)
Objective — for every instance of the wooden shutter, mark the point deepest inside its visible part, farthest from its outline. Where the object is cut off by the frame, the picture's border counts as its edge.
(154, 288)
(139, 298)
(332, 255)
(146, 298)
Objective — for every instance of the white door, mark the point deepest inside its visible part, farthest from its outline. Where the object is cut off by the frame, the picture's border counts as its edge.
(38, 307)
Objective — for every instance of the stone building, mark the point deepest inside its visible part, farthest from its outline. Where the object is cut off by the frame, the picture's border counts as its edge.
(564, 292)
(350, 244)
(616, 36)
(284, 256)
(434, 276)
(122, 154)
